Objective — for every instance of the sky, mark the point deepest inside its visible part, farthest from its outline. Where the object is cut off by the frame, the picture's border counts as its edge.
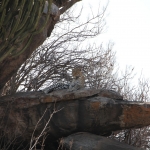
(128, 26)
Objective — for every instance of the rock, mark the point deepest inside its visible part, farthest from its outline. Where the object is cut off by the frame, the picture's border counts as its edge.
(64, 113)
(110, 94)
(87, 141)
(65, 95)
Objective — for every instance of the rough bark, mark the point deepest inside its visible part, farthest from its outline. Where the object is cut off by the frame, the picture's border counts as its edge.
(86, 141)
(80, 111)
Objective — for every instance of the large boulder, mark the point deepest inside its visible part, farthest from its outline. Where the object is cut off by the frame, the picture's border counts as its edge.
(87, 141)
(32, 116)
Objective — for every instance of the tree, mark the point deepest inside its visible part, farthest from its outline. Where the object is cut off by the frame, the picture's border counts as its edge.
(53, 61)
(23, 28)
(34, 68)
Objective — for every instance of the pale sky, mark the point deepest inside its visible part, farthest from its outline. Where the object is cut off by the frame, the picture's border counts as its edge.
(128, 26)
